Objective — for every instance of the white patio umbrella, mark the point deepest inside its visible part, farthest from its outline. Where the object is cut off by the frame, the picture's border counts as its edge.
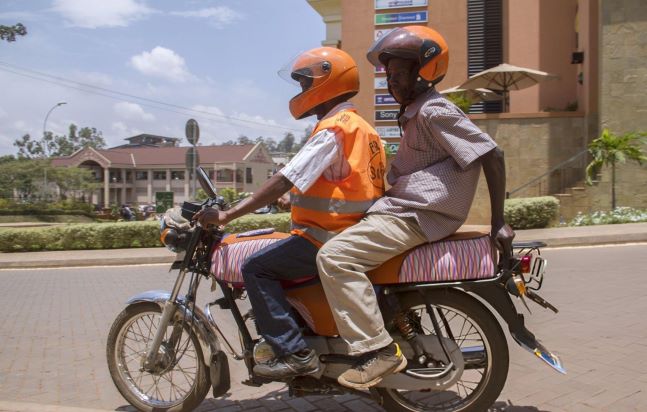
(506, 77)
(475, 95)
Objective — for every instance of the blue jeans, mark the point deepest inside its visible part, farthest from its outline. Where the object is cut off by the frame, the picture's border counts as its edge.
(288, 259)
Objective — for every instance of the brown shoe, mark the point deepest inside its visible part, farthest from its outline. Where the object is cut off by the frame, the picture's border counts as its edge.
(373, 367)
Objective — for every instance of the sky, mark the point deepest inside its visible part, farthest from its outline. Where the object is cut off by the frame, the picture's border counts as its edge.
(128, 67)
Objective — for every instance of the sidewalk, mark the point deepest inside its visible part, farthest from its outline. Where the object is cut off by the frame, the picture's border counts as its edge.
(554, 237)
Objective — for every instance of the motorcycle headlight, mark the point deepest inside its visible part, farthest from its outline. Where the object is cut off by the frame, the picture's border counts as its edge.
(173, 240)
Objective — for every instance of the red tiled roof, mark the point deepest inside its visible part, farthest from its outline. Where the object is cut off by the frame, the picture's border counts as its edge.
(169, 156)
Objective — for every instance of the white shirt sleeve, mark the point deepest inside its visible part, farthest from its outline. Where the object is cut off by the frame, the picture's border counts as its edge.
(318, 154)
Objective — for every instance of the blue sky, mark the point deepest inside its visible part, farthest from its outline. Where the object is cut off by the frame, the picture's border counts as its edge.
(218, 58)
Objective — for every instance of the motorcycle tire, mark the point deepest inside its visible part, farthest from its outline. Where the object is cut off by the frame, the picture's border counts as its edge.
(455, 304)
(141, 316)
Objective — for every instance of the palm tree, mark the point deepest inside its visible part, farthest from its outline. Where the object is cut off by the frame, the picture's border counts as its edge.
(609, 149)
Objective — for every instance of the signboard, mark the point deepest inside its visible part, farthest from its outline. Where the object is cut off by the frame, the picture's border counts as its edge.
(192, 131)
(394, 4)
(380, 83)
(380, 69)
(386, 115)
(163, 201)
(381, 32)
(388, 131)
(384, 99)
(392, 147)
(400, 18)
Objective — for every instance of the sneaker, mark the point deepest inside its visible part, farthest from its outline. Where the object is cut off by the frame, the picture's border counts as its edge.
(372, 368)
(289, 366)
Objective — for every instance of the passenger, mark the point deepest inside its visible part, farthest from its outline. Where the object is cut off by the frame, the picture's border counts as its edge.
(334, 179)
(433, 177)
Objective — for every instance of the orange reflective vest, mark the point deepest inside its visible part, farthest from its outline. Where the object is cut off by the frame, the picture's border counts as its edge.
(329, 207)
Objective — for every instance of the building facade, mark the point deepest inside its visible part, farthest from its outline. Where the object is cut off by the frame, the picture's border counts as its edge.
(595, 47)
(135, 174)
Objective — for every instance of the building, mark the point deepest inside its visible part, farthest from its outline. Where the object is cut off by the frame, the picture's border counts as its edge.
(595, 47)
(134, 174)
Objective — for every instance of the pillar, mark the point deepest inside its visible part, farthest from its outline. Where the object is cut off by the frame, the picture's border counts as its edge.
(106, 187)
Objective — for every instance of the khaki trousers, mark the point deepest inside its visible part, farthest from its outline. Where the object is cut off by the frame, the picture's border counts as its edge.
(342, 263)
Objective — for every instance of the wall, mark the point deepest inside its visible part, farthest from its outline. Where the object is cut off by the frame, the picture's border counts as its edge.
(533, 144)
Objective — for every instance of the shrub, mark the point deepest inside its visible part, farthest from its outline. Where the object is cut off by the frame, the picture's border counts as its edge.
(115, 235)
(531, 213)
(617, 215)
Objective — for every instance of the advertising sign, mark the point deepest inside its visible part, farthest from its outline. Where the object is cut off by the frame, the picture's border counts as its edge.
(381, 32)
(388, 131)
(384, 99)
(386, 115)
(163, 201)
(394, 4)
(401, 18)
(380, 83)
(392, 147)
(380, 69)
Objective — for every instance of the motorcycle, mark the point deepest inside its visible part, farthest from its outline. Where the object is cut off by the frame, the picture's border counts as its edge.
(438, 302)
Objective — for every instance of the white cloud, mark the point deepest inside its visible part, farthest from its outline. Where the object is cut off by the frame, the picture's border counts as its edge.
(92, 14)
(121, 130)
(161, 62)
(132, 111)
(93, 78)
(219, 16)
(3, 113)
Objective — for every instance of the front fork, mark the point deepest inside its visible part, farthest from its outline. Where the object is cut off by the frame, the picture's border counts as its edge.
(167, 314)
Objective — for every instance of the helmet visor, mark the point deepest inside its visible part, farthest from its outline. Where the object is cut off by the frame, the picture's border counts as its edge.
(399, 42)
(304, 69)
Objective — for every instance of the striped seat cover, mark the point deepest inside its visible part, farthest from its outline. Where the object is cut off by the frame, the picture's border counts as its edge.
(444, 261)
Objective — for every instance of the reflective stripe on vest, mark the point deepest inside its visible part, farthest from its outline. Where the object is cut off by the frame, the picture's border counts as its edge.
(330, 205)
(316, 233)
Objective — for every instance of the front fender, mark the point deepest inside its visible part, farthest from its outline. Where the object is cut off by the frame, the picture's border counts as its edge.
(196, 317)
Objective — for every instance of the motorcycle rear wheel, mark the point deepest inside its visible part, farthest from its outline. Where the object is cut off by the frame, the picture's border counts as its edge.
(181, 383)
(474, 328)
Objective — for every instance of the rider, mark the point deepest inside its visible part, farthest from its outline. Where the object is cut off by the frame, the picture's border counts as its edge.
(433, 177)
(334, 179)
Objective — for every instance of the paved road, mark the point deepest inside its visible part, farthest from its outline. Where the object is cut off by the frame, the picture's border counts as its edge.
(55, 324)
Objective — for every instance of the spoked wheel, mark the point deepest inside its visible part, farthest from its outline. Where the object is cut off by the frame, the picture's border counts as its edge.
(484, 348)
(176, 382)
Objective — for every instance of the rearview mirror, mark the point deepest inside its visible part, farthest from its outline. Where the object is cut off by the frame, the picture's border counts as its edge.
(205, 182)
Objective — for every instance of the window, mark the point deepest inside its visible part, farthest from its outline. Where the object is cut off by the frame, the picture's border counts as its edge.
(129, 176)
(141, 175)
(159, 175)
(248, 175)
(115, 177)
(177, 175)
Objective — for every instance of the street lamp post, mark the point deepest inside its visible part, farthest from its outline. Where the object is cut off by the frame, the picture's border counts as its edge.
(44, 143)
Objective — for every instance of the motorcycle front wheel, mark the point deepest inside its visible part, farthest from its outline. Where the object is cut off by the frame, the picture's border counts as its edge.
(178, 381)
(480, 337)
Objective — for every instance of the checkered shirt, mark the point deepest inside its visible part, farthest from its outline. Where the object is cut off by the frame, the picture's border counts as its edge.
(435, 173)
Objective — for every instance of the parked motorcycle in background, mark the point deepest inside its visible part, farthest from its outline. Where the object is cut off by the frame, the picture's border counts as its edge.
(165, 353)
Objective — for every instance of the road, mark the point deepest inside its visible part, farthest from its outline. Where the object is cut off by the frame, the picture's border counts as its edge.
(55, 324)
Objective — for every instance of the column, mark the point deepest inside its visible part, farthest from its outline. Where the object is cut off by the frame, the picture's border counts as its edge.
(168, 180)
(149, 185)
(234, 178)
(106, 187)
(123, 186)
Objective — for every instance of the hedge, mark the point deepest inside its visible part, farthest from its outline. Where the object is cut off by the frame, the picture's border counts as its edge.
(45, 212)
(113, 235)
(531, 212)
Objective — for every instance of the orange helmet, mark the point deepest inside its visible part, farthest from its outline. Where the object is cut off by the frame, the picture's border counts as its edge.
(421, 44)
(323, 74)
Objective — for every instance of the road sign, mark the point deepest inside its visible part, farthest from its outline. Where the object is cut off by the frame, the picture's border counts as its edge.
(163, 201)
(399, 18)
(192, 131)
(386, 115)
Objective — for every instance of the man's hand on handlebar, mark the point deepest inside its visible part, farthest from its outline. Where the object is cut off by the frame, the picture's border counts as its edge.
(211, 216)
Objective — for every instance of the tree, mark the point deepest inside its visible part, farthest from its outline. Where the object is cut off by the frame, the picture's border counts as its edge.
(25, 177)
(610, 149)
(73, 179)
(242, 139)
(287, 143)
(307, 132)
(9, 33)
(60, 145)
